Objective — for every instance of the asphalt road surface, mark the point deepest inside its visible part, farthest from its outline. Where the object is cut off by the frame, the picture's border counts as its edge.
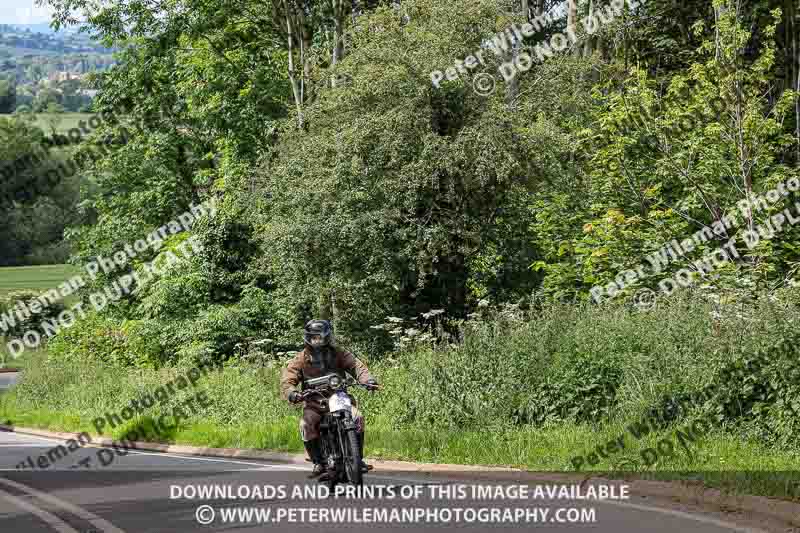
(75, 487)
(157, 492)
(7, 379)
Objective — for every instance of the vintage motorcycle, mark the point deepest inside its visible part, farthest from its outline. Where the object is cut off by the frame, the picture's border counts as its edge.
(338, 433)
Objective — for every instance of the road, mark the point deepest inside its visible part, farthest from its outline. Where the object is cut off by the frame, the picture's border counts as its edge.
(81, 488)
(147, 492)
(7, 379)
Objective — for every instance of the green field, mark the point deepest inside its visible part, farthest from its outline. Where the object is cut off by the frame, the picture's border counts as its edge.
(65, 121)
(35, 278)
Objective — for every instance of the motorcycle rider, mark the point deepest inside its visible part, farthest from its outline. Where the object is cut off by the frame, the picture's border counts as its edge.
(321, 356)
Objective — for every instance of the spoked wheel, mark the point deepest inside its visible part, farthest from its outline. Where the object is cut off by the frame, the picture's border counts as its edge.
(330, 481)
(331, 475)
(352, 460)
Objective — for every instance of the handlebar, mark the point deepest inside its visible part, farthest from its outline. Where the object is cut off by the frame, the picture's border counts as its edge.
(307, 394)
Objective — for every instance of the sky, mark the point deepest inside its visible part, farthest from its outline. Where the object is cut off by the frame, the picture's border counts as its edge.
(23, 12)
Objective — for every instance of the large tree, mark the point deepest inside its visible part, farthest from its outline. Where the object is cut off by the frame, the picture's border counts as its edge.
(38, 194)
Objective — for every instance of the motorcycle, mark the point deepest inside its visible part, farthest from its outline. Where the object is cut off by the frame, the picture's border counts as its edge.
(338, 433)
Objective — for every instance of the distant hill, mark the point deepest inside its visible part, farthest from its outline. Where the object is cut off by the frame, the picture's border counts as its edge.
(20, 40)
(40, 69)
(44, 27)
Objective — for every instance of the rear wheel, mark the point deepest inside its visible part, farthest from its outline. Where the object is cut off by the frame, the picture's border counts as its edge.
(352, 459)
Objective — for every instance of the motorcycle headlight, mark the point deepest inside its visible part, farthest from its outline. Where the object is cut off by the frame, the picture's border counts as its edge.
(335, 381)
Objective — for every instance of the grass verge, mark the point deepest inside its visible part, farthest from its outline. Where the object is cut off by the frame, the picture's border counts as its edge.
(246, 414)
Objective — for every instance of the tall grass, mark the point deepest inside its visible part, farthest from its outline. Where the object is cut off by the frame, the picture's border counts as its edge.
(532, 391)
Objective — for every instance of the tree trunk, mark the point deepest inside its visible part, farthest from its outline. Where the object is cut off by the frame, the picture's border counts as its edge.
(742, 148)
(793, 66)
(512, 92)
(338, 34)
(325, 305)
(338, 31)
(587, 47)
(297, 89)
(290, 15)
(305, 46)
(718, 12)
(572, 21)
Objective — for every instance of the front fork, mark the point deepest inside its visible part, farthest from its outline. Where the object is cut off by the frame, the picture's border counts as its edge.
(337, 438)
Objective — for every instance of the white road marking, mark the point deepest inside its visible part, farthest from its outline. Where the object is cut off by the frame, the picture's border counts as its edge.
(23, 436)
(407, 480)
(187, 457)
(99, 523)
(232, 461)
(681, 514)
(51, 519)
(266, 467)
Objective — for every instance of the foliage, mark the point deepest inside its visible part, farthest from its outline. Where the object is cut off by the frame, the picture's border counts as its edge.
(399, 204)
(25, 321)
(669, 163)
(558, 367)
(350, 187)
(38, 195)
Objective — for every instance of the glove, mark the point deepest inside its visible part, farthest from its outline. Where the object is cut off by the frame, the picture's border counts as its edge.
(295, 397)
(372, 384)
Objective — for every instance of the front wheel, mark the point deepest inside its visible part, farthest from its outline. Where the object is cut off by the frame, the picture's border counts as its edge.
(352, 459)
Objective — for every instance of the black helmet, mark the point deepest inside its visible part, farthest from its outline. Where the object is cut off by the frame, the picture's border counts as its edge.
(318, 333)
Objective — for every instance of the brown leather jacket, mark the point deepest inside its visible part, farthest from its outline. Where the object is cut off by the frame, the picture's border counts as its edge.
(301, 368)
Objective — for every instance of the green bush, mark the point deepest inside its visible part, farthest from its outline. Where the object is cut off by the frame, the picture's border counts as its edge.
(33, 322)
(584, 364)
(209, 333)
(96, 340)
(759, 391)
(559, 364)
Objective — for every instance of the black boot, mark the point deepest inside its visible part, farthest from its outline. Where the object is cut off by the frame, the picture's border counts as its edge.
(315, 454)
(364, 466)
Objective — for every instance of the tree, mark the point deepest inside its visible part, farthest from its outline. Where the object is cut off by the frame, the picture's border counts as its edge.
(38, 194)
(8, 96)
(387, 201)
(672, 163)
(45, 98)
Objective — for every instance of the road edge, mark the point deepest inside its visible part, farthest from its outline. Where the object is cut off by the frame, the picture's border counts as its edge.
(681, 492)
